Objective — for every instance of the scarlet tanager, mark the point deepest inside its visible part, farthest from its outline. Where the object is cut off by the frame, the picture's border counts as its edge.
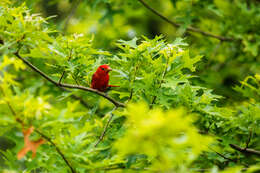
(100, 78)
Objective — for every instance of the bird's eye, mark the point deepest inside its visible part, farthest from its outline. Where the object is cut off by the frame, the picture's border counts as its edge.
(102, 68)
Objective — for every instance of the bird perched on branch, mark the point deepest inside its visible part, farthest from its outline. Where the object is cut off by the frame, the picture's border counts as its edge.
(100, 78)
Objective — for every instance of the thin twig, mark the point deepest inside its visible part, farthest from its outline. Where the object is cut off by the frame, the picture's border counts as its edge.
(222, 155)
(40, 133)
(245, 150)
(131, 94)
(63, 73)
(116, 103)
(229, 159)
(105, 129)
(249, 138)
(191, 29)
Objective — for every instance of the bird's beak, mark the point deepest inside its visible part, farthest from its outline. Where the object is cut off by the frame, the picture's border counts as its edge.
(109, 69)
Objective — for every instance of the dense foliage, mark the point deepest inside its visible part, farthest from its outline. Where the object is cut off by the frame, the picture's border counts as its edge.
(189, 95)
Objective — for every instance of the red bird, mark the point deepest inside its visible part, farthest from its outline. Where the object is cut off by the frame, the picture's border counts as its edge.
(100, 78)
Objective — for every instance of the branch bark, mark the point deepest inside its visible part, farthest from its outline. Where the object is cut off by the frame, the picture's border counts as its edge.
(191, 29)
(245, 150)
(64, 85)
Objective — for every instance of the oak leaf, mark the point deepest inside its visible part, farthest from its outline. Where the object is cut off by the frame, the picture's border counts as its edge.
(28, 144)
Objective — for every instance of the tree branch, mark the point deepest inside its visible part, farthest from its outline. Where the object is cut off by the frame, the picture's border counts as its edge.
(64, 85)
(245, 150)
(191, 29)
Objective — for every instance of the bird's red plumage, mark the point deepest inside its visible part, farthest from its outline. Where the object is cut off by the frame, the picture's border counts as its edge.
(100, 78)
